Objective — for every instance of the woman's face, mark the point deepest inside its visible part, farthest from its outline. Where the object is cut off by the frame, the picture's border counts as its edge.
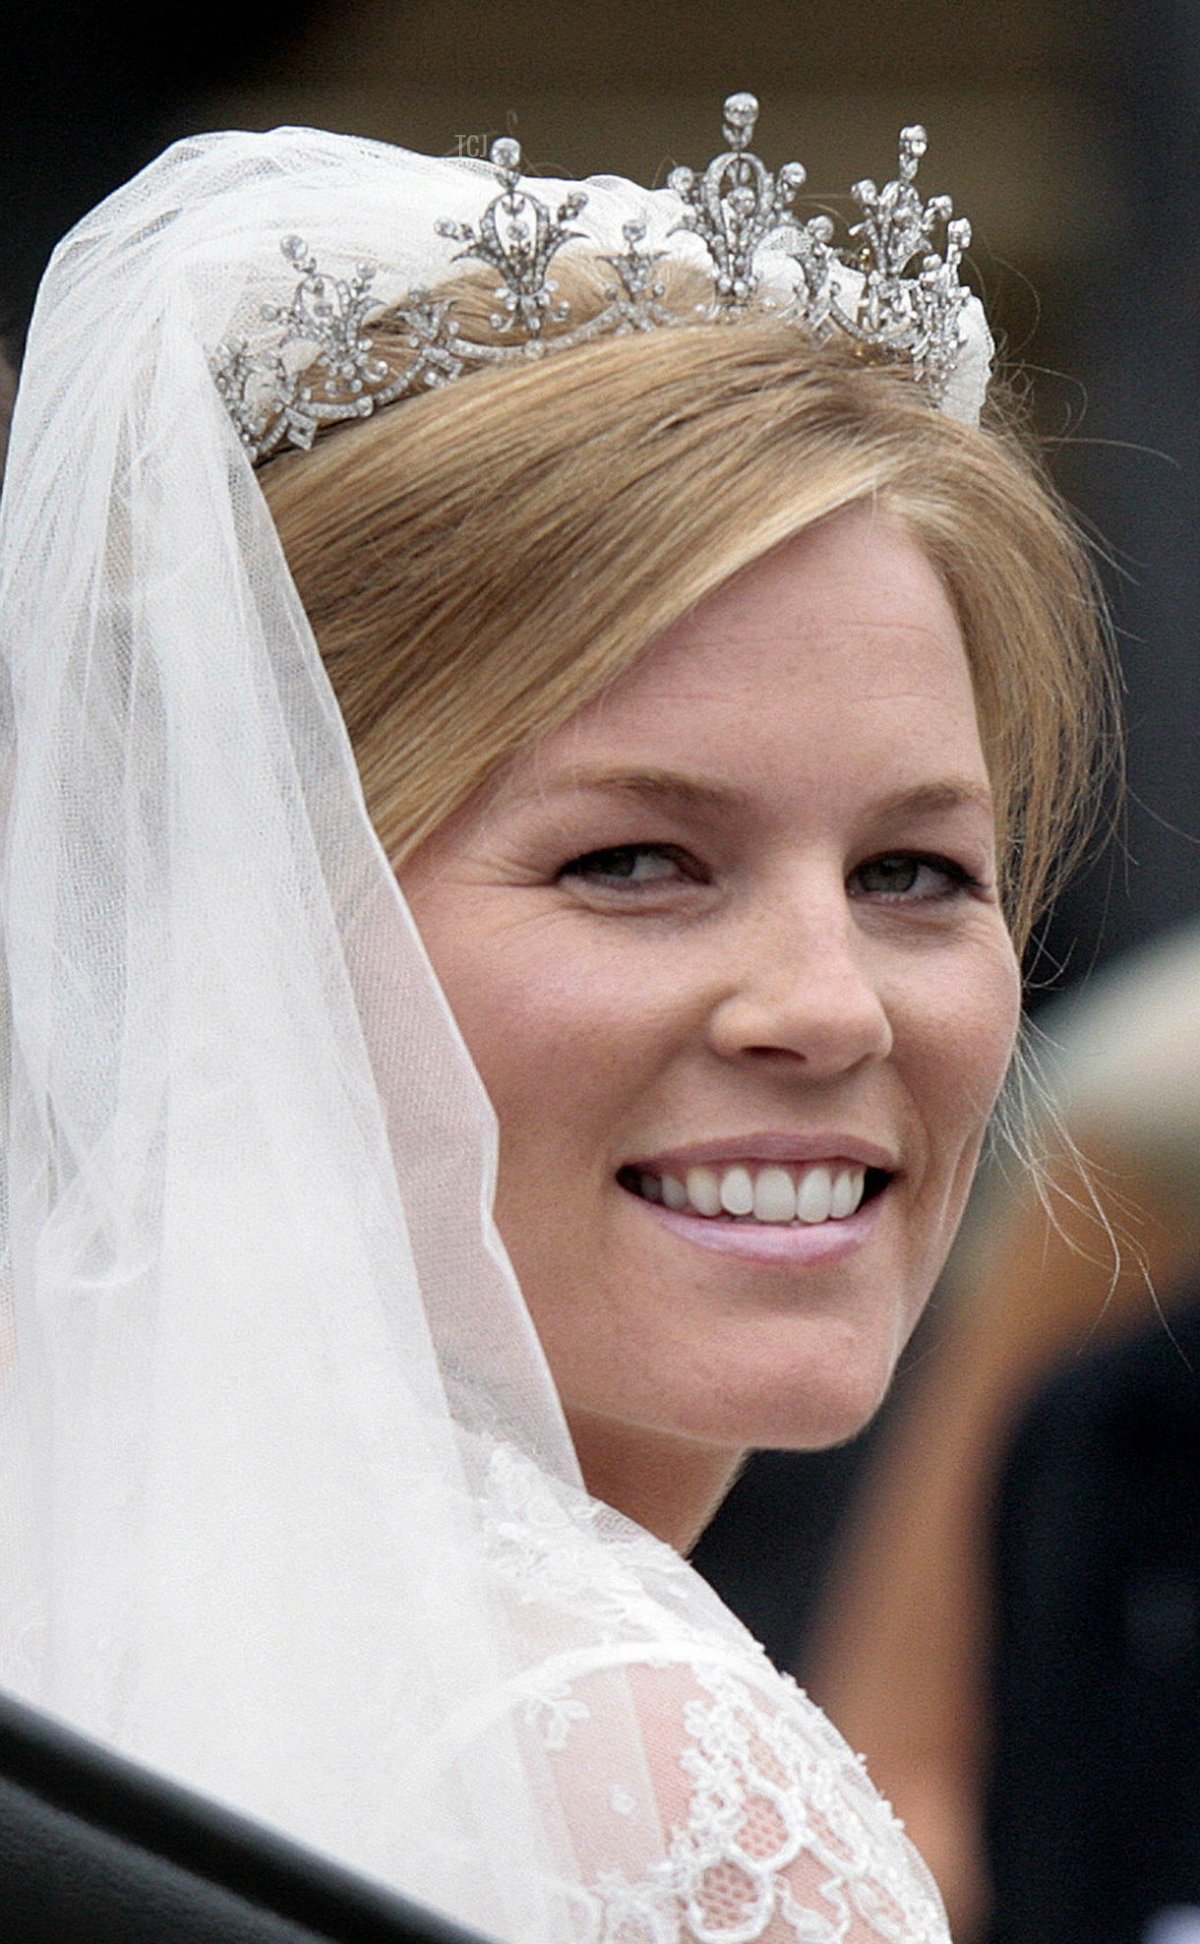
(728, 953)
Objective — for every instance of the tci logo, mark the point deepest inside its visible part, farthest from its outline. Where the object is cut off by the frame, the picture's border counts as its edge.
(476, 145)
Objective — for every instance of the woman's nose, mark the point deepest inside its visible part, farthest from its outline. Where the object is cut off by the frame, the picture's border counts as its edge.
(803, 988)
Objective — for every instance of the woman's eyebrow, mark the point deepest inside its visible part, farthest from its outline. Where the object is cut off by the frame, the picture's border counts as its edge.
(937, 797)
(669, 787)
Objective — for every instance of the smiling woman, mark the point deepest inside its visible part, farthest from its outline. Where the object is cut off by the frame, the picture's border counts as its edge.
(511, 923)
(713, 958)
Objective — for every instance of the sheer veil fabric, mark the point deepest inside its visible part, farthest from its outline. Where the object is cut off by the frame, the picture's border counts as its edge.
(288, 1508)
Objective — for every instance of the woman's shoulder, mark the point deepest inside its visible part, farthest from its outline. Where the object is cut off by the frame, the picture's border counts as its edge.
(706, 1795)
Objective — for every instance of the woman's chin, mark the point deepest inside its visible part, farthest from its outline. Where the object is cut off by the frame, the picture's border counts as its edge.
(815, 1421)
(826, 1404)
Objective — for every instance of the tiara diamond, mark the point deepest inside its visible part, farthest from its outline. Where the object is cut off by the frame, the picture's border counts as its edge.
(891, 290)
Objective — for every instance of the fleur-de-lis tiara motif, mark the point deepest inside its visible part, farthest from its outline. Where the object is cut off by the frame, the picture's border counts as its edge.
(891, 290)
(737, 204)
(519, 238)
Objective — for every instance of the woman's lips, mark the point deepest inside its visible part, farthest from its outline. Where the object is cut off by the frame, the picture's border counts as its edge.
(765, 1208)
(785, 1243)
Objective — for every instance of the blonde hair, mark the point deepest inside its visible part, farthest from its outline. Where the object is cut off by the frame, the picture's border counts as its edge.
(479, 562)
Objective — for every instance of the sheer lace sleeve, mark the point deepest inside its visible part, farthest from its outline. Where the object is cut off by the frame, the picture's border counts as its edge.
(747, 1819)
(772, 1833)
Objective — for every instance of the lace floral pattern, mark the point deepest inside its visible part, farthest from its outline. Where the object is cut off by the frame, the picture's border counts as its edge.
(771, 1832)
(571, 1553)
(782, 1840)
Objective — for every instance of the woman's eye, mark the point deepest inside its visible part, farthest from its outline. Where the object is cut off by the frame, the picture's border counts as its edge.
(629, 867)
(913, 877)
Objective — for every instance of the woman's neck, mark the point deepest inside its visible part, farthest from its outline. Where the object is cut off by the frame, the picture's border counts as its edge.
(672, 1486)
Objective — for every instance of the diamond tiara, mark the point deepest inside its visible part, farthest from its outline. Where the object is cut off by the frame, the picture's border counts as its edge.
(890, 290)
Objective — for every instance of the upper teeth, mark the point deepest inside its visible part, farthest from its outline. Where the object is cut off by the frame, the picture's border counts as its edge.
(767, 1193)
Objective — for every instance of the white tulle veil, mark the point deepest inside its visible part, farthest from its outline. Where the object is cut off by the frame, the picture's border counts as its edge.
(288, 1507)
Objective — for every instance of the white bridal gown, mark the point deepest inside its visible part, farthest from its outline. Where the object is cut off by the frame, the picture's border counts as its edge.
(773, 1832)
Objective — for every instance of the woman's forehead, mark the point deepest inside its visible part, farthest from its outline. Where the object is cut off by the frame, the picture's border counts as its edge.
(834, 665)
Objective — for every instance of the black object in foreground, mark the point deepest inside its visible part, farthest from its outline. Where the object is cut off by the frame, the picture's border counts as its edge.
(98, 1851)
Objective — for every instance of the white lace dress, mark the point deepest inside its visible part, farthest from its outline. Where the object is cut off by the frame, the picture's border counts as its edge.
(768, 1830)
